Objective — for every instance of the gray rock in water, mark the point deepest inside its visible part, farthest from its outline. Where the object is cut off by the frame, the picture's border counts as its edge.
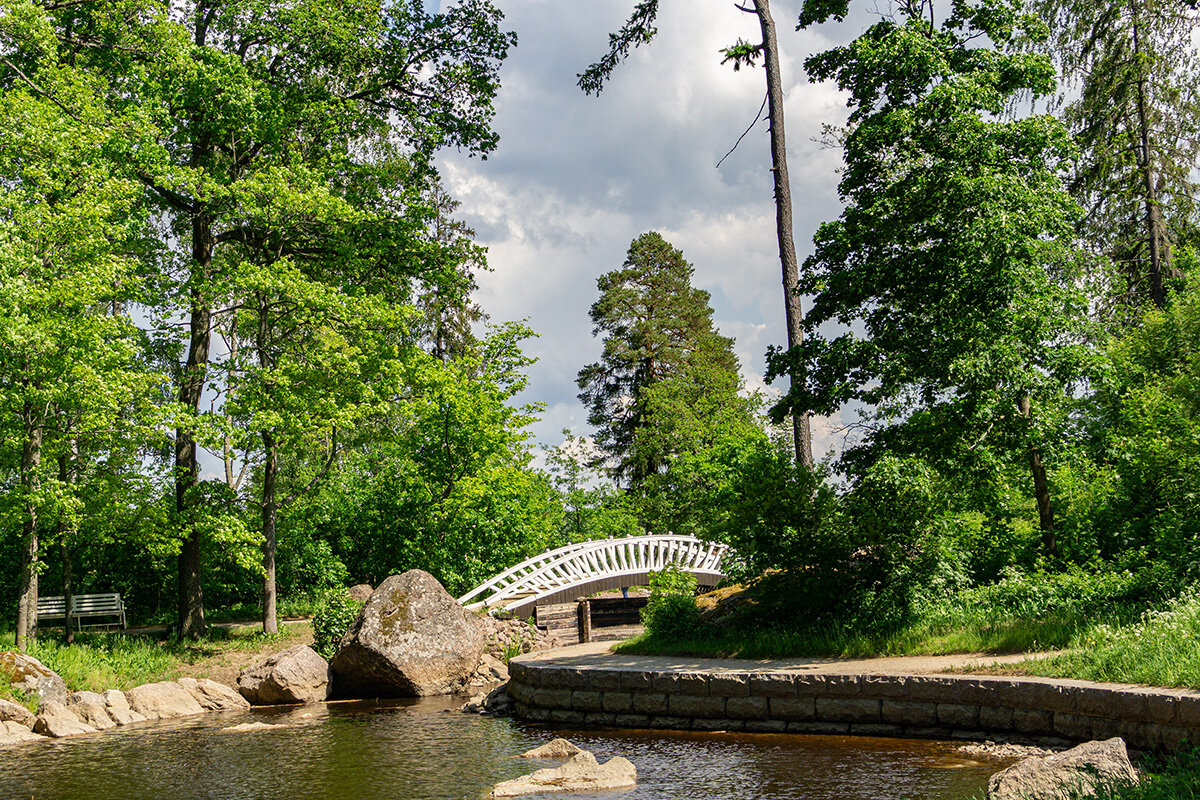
(56, 720)
(32, 677)
(580, 774)
(213, 696)
(296, 675)
(411, 639)
(1077, 772)
(91, 710)
(555, 748)
(163, 700)
(11, 712)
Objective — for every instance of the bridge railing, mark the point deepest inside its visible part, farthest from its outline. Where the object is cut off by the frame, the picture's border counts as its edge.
(585, 562)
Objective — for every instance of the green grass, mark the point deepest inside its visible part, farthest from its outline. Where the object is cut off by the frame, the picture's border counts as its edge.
(1020, 614)
(99, 661)
(1162, 648)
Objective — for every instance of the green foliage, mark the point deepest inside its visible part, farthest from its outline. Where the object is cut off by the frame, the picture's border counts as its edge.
(951, 268)
(667, 384)
(1160, 649)
(671, 611)
(108, 661)
(335, 613)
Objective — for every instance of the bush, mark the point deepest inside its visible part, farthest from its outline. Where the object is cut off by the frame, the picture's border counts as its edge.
(671, 611)
(333, 617)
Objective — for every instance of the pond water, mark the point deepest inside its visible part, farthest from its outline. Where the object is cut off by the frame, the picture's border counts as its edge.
(411, 750)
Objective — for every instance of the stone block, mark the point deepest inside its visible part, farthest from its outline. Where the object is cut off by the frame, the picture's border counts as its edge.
(906, 713)
(958, 715)
(1162, 708)
(665, 682)
(551, 698)
(927, 732)
(1174, 739)
(773, 684)
(617, 702)
(635, 681)
(519, 692)
(565, 716)
(835, 709)
(996, 718)
(930, 689)
(1097, 701)
(1033, 721)
(604, 680)
(729, 684)
(792, 708)
(563, 678)
(1046, 694)
(885, 687)
(1076, 727)
(649, 703)
(765, 726)
(829, 686)
(875, 729)
(531, 713)
(716, 725)
(586, 701)
(671, 723)
(693, 683)
(824, 728)
(1187, 711)
(519, 672)
(688, 705)
(632, 720)
(599, 718)
(746, 707)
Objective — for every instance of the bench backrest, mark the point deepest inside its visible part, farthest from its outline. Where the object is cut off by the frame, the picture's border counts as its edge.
(52, 606)
(84, 604)
(96, 604)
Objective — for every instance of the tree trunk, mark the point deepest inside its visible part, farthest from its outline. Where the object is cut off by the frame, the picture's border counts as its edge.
(66, 476)
(801, 431)
(1155, 227)
(31, 460)
(187, 465)
(1041, 488)
(270, 468)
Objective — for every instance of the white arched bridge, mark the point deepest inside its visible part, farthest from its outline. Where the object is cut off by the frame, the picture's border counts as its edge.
(585, 567)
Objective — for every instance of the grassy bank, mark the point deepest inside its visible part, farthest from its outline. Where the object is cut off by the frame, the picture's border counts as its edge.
(99, 661)
(1105, 631)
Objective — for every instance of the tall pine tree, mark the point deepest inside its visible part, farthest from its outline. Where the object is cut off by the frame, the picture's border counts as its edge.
(667, 380)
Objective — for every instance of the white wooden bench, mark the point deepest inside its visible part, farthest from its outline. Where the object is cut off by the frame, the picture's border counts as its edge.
(83, 606)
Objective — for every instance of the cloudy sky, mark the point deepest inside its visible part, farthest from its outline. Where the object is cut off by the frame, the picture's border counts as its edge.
(576, 178)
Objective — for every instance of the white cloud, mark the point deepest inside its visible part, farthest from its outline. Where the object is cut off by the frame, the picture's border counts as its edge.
(576, 178)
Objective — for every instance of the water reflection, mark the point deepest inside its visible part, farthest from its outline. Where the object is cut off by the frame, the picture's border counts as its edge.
(411, 750)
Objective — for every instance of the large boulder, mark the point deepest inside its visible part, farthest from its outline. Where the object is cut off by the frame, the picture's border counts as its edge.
(360, 593)
(1078, 772)
(580, 774)
(117, 706)
(32, 677)
(296, 675)
(411, 639)
(163, 700)
(213, 696)
(16, 733)
(91, 710)
(56, 720)
(12, 712)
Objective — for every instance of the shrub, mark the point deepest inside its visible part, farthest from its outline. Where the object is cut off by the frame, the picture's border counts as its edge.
(671, 611)
(334, 615)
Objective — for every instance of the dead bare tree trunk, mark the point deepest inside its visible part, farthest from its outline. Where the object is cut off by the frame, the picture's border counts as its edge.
(801, 430)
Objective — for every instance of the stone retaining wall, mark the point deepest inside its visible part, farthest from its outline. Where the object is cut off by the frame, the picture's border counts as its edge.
(928, 706)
